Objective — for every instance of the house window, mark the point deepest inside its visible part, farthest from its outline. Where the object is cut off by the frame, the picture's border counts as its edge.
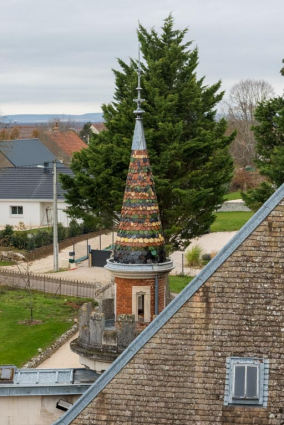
(141, 298)
(17, 210)
(246, 381)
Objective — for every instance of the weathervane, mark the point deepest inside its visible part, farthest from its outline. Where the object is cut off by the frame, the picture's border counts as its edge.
(139, 111)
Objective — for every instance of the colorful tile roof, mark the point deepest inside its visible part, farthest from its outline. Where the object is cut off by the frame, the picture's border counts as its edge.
(139, 237)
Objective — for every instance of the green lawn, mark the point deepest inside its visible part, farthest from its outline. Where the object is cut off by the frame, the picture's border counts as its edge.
(177, 283)
(20, 341)
(232, 196)
(229, 221)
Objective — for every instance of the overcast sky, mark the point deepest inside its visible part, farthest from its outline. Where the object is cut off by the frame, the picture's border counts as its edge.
(56, 56)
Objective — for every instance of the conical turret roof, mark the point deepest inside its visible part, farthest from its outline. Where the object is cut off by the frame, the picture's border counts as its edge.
(139, 237)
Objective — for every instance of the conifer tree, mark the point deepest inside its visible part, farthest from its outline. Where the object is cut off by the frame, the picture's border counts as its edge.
(187, 146)
(269, 133)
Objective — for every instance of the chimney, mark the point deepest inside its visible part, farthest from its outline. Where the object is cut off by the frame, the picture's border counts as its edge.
(45, 167)
(56, 127)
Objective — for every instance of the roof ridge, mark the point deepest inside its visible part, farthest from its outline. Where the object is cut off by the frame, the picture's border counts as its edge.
(172, 308)
(18, 140)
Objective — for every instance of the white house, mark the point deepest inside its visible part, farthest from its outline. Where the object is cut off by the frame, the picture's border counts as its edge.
(26, 196)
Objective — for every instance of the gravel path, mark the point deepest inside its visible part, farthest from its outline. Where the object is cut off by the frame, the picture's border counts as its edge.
(62, 358)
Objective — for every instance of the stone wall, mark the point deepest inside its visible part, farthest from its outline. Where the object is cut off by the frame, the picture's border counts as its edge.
(94, 334)
(178, 376)
(237, 205)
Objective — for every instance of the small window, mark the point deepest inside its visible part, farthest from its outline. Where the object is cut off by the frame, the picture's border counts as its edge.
(246, 381)
(17, 210)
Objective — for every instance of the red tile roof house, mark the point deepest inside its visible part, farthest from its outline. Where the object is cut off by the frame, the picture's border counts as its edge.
(98, 127)
(62, 144)
(215, 355)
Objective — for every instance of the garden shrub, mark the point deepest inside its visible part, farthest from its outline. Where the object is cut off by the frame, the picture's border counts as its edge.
(62, 232)
(74, 229)
(19, 240)
(206, 257)
(6, 235)
(42, 238)
(30, 242)
(193, 256)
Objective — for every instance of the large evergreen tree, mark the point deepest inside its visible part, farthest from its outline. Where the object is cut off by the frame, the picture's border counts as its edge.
(187, 145)
(269, 133)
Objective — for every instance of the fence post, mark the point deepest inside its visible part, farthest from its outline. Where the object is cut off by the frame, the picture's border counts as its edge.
(182, 264)
(44, 285)
(60, 286)
(77, 287)
(100, 242)
(112, 239)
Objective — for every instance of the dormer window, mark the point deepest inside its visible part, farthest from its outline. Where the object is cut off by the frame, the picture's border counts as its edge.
(246, 381)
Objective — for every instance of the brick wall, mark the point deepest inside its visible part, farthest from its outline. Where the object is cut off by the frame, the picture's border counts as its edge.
(124, 294)
(178, 376)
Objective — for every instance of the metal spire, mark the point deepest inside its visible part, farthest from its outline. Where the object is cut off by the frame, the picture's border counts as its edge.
(139, 111)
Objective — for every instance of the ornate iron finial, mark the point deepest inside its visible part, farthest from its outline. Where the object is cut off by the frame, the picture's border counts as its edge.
(139, 111)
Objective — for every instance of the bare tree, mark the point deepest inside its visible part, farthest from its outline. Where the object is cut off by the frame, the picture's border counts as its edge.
(24, 269)
(239, 110)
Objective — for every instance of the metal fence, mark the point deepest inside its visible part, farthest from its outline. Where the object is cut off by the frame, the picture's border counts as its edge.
(51, 285)
(81, 250)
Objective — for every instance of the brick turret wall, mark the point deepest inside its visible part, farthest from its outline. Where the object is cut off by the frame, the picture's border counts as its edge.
(124, 294)
(178, 376)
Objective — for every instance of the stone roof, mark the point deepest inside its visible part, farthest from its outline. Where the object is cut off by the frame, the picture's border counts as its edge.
(26, 152)
(29, 183)
(140, 237)
(174, 371)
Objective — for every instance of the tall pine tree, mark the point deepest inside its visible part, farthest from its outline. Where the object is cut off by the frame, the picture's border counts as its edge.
(187, 146)
(269, 134)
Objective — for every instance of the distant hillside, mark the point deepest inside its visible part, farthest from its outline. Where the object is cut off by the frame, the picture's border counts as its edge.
(43, 118)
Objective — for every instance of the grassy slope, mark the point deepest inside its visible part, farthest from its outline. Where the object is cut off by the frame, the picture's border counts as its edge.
(232, 196)
(20, 342)
(229, 221)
